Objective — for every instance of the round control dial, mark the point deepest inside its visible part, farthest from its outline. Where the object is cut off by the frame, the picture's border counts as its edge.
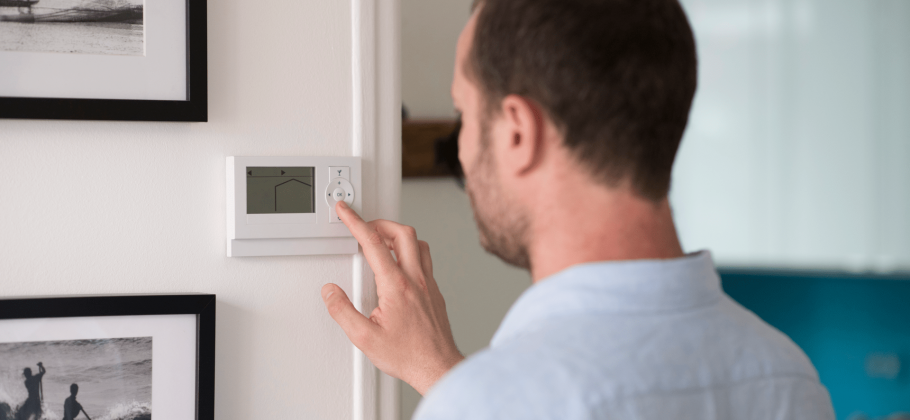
(339, 189)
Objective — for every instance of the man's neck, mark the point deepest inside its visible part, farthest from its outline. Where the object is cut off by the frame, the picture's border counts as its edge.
(590, 223)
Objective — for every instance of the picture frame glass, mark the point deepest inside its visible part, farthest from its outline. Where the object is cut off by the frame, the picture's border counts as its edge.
(124, 367)
(94, 49)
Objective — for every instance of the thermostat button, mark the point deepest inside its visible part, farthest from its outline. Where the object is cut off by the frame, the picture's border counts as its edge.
(336, 185)
(339, 189)
(333, 215)
(349, 196)
(340, 172)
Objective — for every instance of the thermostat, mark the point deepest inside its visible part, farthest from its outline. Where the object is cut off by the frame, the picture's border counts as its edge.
(286, 205)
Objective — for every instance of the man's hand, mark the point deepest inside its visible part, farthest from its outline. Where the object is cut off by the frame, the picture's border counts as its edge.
(408, 334)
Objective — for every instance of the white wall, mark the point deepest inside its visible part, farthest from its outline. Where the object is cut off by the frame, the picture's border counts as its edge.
(113, 207)
(798, 147)
(429, 33)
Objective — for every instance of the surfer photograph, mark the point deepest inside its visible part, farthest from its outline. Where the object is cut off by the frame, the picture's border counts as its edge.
(111, 377)
(72, 408)
(31, 408)
(105, 27)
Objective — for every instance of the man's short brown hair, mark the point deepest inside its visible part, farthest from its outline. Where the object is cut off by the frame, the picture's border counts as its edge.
(617, 77)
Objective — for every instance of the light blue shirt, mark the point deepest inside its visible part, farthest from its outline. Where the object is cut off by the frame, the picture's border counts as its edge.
(647, 339)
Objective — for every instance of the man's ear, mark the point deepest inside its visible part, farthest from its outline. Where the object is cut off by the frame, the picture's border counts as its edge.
(524, 123)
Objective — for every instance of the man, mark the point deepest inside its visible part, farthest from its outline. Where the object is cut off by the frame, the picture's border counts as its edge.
(31, 408)
(572, 112)
(71, 407)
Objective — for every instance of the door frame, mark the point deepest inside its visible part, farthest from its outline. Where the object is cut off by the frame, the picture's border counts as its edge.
(376, 118)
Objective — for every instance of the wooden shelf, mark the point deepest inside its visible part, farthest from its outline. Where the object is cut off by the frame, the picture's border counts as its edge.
(418, 151)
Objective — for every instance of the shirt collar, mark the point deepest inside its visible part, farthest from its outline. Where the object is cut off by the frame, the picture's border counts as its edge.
(615, 287)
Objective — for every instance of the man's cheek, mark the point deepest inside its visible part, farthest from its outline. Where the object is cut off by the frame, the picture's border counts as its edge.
(466, 151)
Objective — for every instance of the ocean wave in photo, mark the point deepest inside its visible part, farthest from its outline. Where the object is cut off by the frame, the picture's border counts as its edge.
(129, 411)
(114, 377)
(123, 411)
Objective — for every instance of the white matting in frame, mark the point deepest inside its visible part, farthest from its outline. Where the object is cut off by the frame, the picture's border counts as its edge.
(173, 356)
(159, 75)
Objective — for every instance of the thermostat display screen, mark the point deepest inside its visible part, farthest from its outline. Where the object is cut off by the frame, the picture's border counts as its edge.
(272, 190)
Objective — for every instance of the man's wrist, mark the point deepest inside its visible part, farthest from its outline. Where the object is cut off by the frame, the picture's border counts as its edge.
(433, 375)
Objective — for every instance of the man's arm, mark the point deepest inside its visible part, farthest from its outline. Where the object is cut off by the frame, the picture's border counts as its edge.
(41, 369)
(408, 334)
(78, 409)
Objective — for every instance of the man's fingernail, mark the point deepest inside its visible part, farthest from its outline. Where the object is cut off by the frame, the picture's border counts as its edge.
(327, 291)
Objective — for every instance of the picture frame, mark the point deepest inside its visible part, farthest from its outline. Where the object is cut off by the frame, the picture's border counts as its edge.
(119, 357)
(166, 81)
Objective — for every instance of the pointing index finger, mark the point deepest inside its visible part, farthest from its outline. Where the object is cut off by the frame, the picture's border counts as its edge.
(374, 248)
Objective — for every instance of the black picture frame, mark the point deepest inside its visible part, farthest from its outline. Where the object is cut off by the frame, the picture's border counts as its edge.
(201, 305)
(194, 109)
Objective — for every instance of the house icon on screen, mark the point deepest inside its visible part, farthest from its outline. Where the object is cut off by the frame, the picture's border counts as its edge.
(293, 196)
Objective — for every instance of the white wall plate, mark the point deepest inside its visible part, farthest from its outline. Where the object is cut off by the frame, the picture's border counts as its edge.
(286, 205)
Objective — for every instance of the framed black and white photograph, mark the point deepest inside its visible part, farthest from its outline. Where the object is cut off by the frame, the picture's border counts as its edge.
(135, 60)
(107, 358)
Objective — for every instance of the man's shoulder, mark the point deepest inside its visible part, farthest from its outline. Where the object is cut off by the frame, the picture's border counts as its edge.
(756, 348)
(605, 362)
(484, 386)
(713, 345)
(619, 354)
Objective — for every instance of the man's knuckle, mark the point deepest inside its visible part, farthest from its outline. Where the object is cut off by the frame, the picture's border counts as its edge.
(362, 338)
(403, 285)
(422, 285)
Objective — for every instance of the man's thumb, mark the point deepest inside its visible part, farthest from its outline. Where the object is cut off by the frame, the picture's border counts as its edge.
(358, 328)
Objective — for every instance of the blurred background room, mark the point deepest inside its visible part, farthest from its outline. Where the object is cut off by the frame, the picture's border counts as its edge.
(794, 172)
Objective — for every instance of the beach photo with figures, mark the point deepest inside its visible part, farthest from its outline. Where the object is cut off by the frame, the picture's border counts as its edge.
(103, 379)
(108, 27)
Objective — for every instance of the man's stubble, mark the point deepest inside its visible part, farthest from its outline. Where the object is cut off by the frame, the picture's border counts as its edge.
(503, 225)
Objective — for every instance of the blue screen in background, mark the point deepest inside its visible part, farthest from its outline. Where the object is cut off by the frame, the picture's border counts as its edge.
(854, 328)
